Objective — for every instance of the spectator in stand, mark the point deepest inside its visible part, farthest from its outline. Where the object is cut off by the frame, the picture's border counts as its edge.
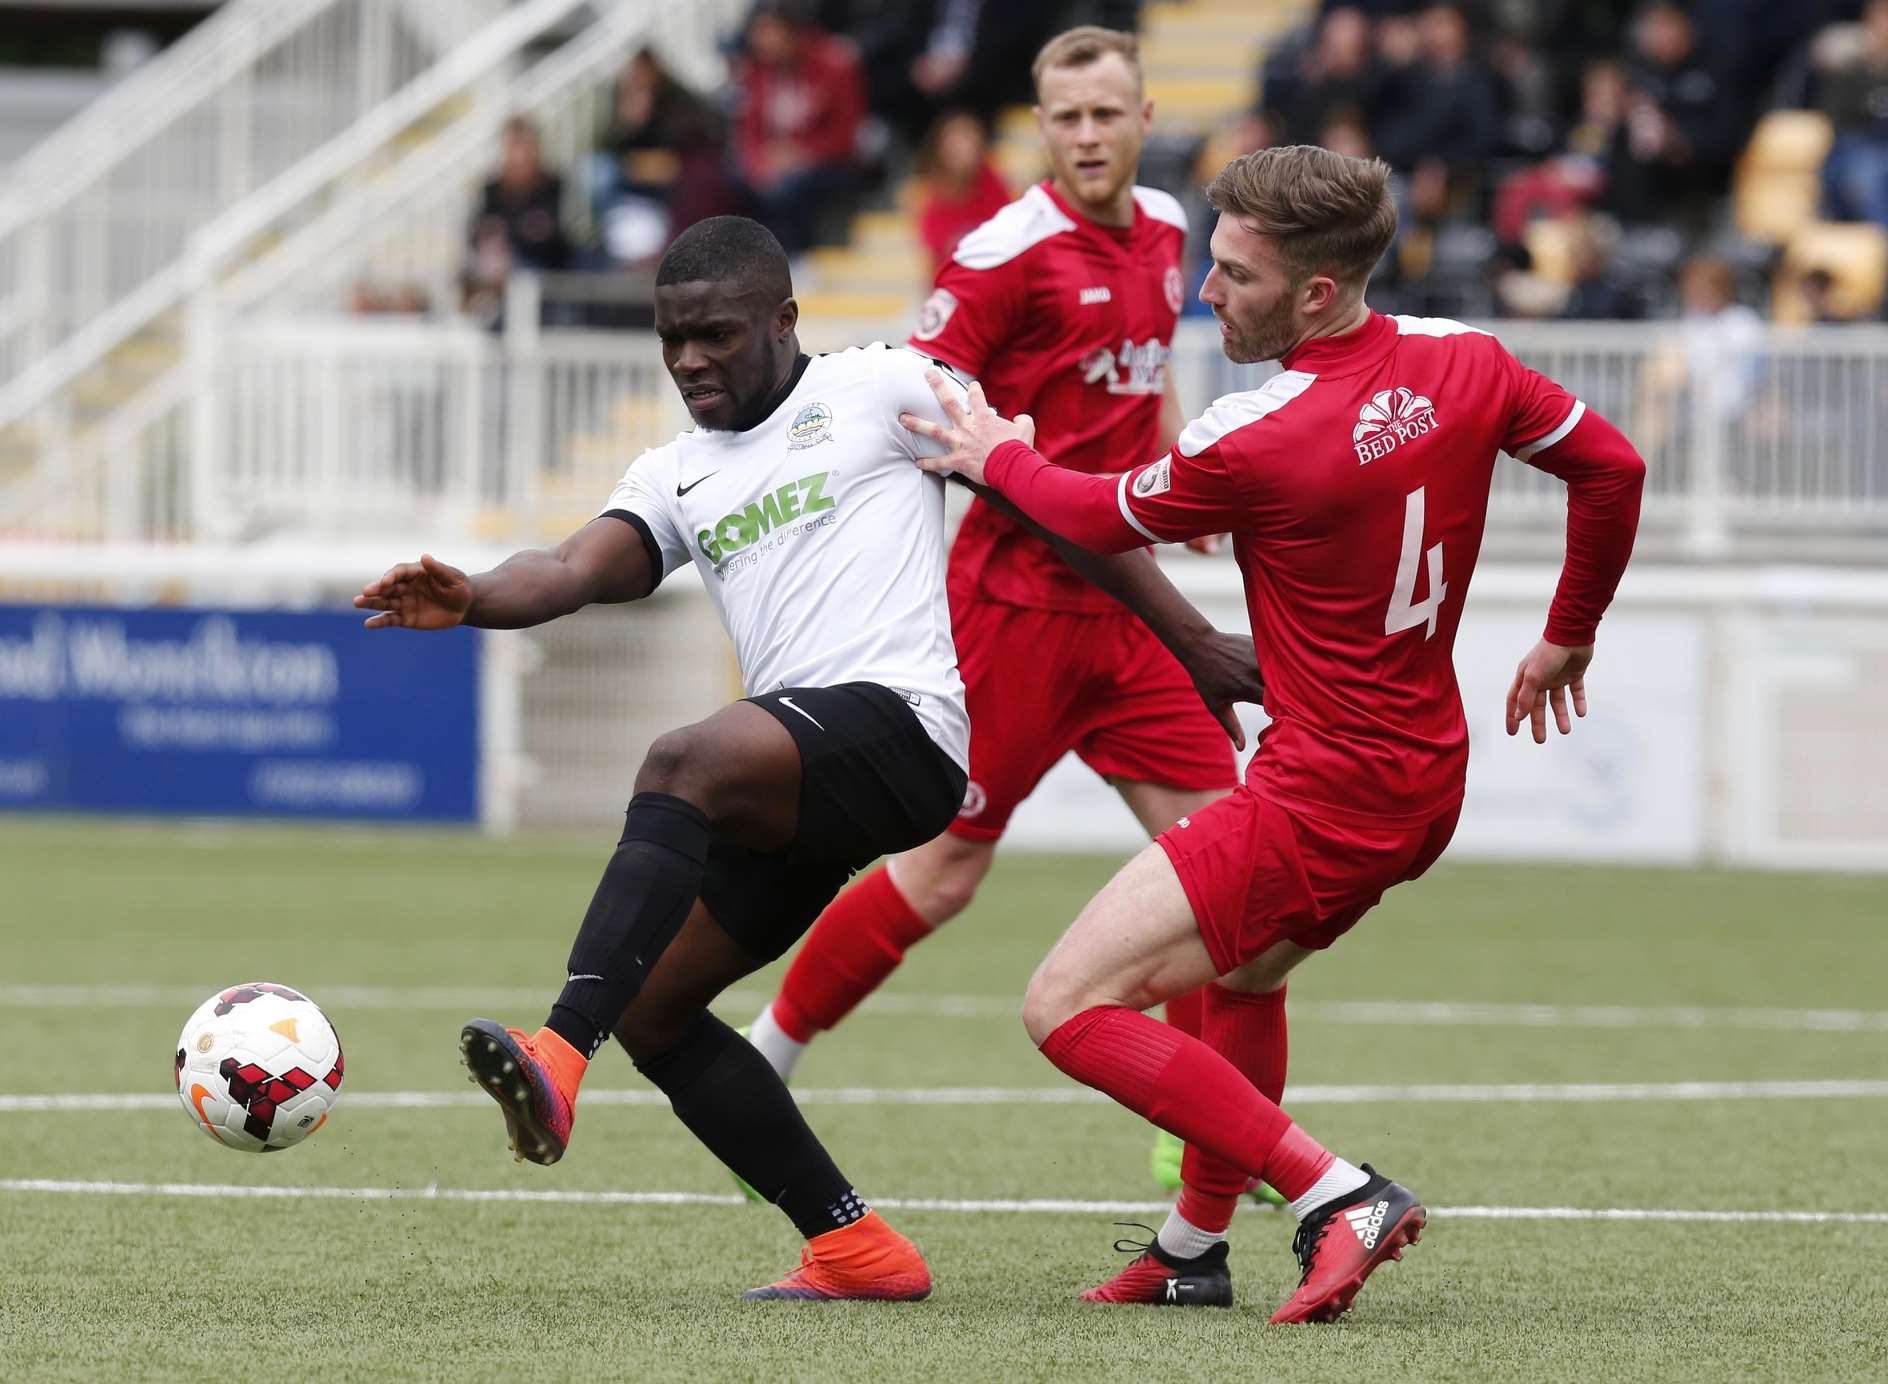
(1683, 123)
(923, 56)
(1568, 183)
(1338, 72)
(916, 54)
(802, 99)
(522, 208)
(1443, 106)
(1594, 294)
(1706, 371)
(661, 167)
(1527, 94)
(1720, 338)
(1852, 88)
(1598, 128)
(1345, 131)
(961, 187)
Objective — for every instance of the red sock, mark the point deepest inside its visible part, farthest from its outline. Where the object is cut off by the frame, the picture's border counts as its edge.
(1186, 1012)
(1296, 1164)
(1248, 1031)
(857, 942)
(1186, 1088)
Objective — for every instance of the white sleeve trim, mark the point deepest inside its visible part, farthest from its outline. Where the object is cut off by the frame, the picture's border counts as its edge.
(1572, 421)
(1121, 495)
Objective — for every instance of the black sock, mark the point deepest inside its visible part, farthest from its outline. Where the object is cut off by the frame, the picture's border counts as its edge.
(644, 897)
(737, 1105)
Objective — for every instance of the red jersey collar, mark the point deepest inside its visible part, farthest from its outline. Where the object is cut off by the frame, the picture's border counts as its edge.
(1357, 349)
(1088, 223)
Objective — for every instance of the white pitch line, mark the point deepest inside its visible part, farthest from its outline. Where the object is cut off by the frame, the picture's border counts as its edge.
(1366, 1013)
(958, 1206)
(1522, 1093)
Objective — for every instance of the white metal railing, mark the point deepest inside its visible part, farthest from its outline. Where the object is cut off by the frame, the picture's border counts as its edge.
(408, 226)
(325, 425)
(357, 210)
(315, 176)
(107, 203)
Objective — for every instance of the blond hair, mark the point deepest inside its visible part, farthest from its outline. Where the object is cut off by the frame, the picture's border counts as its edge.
(1330, 213)
(1081, 46)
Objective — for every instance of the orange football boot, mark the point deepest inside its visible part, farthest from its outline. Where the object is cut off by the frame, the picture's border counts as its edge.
(533, 1078)
(864, 1261)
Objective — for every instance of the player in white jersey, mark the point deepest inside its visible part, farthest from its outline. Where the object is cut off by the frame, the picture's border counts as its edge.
(822, 545)
(822, 557)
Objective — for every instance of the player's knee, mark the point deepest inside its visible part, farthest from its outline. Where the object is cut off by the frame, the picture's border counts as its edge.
(1266, 972)
(939, 892)
(680, 763)
(940, 878)
(1051, 1001)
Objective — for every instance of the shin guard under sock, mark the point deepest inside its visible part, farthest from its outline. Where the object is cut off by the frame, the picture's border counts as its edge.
(1187, 1089)
(645, 895)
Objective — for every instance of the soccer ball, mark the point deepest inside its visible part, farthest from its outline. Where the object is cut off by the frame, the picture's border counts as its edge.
(258, 1067)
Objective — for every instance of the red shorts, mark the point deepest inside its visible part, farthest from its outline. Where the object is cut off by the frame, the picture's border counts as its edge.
(1040, 683)
(1257, 873)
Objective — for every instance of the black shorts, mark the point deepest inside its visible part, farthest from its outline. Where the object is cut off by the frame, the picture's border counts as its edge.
(872, 783)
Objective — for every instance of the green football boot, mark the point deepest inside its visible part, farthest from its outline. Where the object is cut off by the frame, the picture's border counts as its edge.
(1165, 1165)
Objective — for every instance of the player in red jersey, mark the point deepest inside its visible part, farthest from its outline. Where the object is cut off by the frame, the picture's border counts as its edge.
(1355, 485)
(1063, 305)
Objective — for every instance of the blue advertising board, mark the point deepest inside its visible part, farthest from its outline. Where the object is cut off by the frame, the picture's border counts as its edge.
(235, 713)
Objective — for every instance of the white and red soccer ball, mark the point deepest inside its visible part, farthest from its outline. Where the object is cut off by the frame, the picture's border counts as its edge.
(259, 1067)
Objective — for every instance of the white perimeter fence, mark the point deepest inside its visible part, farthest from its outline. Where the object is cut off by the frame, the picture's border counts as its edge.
(1771, 448)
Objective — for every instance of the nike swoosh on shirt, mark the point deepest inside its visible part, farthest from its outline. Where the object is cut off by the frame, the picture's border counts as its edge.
(681, 490)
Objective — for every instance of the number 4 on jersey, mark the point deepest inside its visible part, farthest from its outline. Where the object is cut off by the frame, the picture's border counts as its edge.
(1405, 611)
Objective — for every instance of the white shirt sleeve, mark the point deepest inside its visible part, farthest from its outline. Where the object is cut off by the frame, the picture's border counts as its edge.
(903, 389)
(642, 492)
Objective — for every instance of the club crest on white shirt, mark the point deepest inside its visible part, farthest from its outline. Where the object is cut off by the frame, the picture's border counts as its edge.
(811, 426)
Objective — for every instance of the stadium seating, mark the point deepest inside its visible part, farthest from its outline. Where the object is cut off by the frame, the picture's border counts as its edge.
(1778, 186)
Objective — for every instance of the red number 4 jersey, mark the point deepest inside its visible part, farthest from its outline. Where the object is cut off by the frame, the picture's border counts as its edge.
(1355, 486)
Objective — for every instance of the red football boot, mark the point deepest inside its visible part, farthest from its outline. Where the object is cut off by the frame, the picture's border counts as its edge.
(1159, 1280)
(1343, 1242)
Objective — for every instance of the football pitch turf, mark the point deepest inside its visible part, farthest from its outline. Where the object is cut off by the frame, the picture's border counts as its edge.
(1545, 1043)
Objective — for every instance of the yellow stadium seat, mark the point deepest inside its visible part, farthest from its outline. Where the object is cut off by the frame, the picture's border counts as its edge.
(1853, 253)
(1550, 245)
(1778, 187)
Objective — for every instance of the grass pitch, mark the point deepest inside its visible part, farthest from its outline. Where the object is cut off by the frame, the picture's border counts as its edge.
(399, 1242)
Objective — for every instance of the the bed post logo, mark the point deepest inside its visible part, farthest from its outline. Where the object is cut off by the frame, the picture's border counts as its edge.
(1391, 418)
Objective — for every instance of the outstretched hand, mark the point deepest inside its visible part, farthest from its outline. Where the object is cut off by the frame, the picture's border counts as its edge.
(423, 595)
(972, 430)
(1545, 678)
